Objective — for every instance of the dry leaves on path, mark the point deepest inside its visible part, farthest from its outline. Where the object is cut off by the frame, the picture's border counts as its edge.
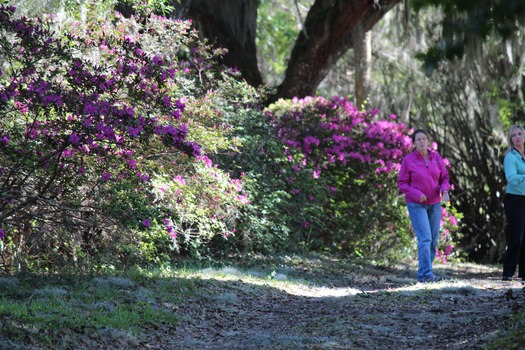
(376, 309)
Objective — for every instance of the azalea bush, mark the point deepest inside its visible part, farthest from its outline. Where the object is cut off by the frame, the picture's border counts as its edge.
(340, 169)
(323, 175)
(96, 130)
(450, 235)
(265, 225)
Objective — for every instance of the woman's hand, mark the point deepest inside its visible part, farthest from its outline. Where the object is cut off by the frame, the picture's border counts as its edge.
(422, 198)
(446, 197)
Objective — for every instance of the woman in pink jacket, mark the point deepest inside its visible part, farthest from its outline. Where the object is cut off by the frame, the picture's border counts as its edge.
(424, 181)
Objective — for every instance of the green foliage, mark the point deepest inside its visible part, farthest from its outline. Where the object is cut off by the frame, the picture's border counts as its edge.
(506, 110)
(263, 224)
(276, 34)
(465, 22)
(141, 7)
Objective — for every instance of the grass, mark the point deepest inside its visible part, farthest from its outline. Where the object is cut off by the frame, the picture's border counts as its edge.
(57, 309)
(40, 309)
(511, 338)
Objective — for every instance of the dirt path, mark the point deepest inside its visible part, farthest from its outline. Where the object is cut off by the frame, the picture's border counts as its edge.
(375, 309)
(283, 305)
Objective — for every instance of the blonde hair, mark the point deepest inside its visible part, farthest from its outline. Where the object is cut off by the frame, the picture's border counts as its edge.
(509, 137)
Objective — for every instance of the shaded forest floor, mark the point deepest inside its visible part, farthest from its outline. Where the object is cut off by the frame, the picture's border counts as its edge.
(295, 303)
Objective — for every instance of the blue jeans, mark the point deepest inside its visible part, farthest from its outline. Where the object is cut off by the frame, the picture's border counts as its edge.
(426, 220)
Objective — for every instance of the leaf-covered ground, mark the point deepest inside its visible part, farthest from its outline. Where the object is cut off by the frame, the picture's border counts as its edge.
(315, 303)
(362, 308)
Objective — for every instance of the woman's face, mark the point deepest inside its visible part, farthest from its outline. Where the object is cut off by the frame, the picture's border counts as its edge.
(421, 142)
(517, 137)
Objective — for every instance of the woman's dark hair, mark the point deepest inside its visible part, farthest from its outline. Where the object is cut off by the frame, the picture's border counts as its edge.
(418, 131)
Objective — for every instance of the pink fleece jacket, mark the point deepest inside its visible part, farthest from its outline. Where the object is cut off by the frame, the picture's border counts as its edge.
(418, 177)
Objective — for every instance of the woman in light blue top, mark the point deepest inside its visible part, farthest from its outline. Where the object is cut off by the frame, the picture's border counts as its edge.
(514, 203)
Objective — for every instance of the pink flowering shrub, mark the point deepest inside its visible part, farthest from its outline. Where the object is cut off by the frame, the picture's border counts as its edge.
(99, 122)
(339, 169)
(320, 134)
(450, 233)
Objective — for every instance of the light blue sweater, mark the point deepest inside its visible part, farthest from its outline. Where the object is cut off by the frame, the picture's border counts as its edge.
(514, 166)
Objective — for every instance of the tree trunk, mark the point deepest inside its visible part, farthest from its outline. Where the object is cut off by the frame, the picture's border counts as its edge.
(230, 24)
(363, 64)
(329, 32)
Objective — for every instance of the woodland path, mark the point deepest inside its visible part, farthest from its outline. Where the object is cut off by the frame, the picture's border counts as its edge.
(375, 308)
